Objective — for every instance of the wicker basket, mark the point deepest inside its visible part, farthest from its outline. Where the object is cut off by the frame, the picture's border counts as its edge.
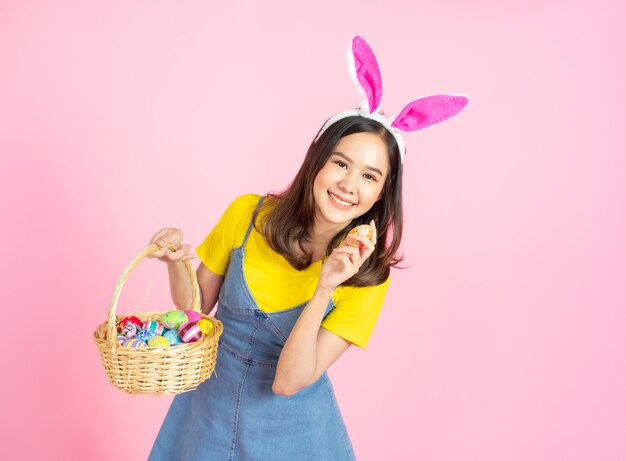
(154, 370)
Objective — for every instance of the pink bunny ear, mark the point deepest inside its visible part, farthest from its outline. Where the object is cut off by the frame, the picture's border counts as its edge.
(365, 74)
(429, 110)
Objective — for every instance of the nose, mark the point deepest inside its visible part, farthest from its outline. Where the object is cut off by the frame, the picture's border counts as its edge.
(348, 183)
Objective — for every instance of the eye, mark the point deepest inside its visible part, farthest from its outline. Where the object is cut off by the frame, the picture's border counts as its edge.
(369, 177)
(340, 164)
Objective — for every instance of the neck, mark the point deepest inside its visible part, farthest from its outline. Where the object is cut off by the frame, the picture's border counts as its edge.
(320, 237)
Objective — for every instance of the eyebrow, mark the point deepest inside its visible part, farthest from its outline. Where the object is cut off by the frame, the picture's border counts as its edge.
(347, 159)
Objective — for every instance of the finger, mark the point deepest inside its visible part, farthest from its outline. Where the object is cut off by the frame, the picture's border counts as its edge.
(173, 246)
(179, 254)
(166, 254)
(338, 259)
(359, 255)
(163, 242)
(367, 243)
(364, 250)
(375, 233)
(158, 235)
(157, 254)
(349, 267)
(174, 254)
(184, 250)
(351, 255)
(341, 261)
(346, 249)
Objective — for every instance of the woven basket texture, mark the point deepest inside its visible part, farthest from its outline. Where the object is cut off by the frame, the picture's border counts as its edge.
(156, 370)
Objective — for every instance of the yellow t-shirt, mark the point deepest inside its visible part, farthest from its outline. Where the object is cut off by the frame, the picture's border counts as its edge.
(276, 285)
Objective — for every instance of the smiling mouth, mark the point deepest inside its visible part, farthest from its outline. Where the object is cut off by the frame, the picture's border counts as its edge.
(340, 201)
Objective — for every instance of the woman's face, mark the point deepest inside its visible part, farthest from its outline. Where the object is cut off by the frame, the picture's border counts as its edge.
(351, 181)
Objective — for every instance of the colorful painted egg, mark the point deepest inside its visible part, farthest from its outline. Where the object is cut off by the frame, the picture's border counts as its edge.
(128, 319)
(130, 330)
(206, 326)
(145, 335)
(190, 332)
(154, 325)
(193, 316)
(158, 341)
(364, 230)
(121, 339)
(172, 337)
(135, 343)
(173, 319)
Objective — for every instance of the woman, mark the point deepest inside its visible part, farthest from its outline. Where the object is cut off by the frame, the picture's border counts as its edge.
(291, 294)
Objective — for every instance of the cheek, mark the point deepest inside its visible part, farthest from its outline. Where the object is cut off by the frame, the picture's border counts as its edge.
(323, 177)
(375, 193)
(318, 183)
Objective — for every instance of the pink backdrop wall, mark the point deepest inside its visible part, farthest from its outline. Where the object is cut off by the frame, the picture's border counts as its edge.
(504, 340)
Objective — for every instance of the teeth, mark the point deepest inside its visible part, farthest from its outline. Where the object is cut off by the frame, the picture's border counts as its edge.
(341, 202)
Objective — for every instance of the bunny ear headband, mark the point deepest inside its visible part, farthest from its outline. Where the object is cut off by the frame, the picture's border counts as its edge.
(416, 115)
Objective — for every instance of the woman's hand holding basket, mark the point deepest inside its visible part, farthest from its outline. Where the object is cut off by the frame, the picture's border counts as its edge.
(170, 240)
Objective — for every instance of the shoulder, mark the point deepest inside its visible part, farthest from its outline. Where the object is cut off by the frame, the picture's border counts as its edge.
(236, 217)
(244, 204)
(241, 209)
(231, 227)
(239, 215)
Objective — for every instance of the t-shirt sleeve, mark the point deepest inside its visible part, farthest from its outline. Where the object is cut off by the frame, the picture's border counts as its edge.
(356, 313)
(229, 232)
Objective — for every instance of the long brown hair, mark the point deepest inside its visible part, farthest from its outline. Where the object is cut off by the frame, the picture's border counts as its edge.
(290, 214)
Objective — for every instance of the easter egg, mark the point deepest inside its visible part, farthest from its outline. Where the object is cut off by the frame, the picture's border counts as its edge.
(158, 341)
(135, 343)
(364, 230)
(121, 339)
(172, 337)
(126, 320)
(154, 325)
(145, 335)
(173, 319)
(190, 332)
(206, 326)
(193, 316)
(130, 330)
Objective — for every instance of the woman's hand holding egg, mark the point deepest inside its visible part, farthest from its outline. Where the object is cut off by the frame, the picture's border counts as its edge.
(347, 259)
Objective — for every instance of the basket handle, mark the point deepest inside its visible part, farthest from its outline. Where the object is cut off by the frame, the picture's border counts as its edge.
(195, 289)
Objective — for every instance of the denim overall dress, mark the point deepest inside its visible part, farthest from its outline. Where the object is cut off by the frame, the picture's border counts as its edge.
(234, 415)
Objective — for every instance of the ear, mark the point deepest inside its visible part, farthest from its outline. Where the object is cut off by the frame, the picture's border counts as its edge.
(365, 74)
(428, 111)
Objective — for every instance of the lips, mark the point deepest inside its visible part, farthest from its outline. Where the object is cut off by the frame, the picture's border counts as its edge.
(340, 200)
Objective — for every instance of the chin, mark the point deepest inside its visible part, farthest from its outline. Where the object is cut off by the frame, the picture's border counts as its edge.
(340, 220)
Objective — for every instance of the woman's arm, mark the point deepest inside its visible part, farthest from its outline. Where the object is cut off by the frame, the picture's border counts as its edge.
(210, 284)
(180, 285)
(309, 350)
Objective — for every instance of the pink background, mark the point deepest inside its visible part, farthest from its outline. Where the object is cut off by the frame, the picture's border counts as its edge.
(503, 340)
